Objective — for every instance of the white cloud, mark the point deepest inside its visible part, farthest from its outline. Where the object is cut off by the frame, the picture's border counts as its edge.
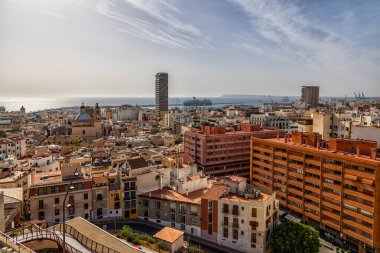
(157, 21)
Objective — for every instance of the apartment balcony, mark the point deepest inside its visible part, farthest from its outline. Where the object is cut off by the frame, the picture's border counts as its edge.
(359, 205)
(314, 197)
(333, 176)
(360, 173)
(313, 161)
(359, 195)
(355, 183)
(295, 183)
(282, 162)
(281, 186)
(280, 193)
(295, 191)
(262, 164)
(331, 196)
(331, 223)
(358, 215)
(311, 188)
(311, 215)
(358, 236)
(261, 149)
(278, 153)
(331, 205)
(295, 157)
(266, 180)
(292, 198)
(332, 166)
(269, 158)
(358, 225)
(295, 166)
(282, 202)
(313, 180)
(312, 207)
(262, 185)
(295, 174)
(333, 216)
(335, 187)
(313, 170)
(294, 208)
(278, 169)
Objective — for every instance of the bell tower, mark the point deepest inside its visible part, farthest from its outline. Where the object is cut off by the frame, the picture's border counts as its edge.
(97, 112)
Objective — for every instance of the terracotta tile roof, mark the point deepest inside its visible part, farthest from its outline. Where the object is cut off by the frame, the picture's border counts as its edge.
(168, 234)
(215, 192)
(136, 163)
(168, 194)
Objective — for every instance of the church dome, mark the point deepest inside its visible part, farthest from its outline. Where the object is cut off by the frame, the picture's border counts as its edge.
(83, 117)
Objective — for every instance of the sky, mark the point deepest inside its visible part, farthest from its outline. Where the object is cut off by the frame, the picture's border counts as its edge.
(208, 47)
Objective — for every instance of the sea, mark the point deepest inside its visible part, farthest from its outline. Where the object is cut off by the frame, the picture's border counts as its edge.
(34, 104)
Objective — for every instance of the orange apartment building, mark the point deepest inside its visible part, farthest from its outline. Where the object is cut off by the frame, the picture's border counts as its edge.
(219, 152)
(334, 190)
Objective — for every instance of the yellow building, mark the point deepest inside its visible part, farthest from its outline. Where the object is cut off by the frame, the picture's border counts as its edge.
(88, 127)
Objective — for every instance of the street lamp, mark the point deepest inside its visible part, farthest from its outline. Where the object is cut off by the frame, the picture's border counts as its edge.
(70, 188)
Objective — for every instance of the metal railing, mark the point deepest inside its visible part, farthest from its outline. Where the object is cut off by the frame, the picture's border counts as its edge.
(14, 244)
(87, 242)
(39, 233)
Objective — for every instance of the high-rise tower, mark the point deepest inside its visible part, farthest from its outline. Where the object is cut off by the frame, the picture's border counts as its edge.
(162, 94)
(310, 96)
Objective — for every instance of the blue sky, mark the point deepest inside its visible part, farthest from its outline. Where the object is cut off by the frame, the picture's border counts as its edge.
(208, 47)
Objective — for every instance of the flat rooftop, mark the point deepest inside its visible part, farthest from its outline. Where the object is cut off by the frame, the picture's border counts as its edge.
(303, 148)
(54, 177)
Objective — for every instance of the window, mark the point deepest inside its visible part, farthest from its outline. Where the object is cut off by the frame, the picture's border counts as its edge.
(254, 212)
(99, 196)
(225, 232)
(56, 211)
(56, 201)
(85, 196)
(235, 210)
(235, 234)
(209, 228)
(41, 204)
(225, 221)
(253, 238)
(145, 202)
(225, 208)
(210, 205)
(158, 205)
(85, 206)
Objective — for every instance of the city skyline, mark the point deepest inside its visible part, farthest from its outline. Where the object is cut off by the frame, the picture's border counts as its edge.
(209, 48)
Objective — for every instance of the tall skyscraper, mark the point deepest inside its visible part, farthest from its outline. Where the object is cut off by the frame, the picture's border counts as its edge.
(310, 96)
(162, 93)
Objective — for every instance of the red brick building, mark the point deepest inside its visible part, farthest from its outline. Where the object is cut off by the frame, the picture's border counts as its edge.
(219, 152)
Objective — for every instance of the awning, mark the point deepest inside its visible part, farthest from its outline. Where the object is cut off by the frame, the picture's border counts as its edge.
(367, 181)
(349, 176)
(292, 218)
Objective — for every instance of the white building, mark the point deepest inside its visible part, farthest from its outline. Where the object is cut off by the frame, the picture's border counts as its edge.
(12, 146)
(246, 217)
(128, 112)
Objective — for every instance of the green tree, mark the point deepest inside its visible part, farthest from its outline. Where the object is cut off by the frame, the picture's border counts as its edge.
(2, 134)
(294, 237)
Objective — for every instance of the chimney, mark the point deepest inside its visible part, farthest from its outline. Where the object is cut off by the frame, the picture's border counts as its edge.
(358, 151)
(373, 153)
(187, 192)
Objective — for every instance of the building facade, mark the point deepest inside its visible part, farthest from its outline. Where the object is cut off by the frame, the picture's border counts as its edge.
(333, 190)
(162, 88)
(310, 96)
(221, 153)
